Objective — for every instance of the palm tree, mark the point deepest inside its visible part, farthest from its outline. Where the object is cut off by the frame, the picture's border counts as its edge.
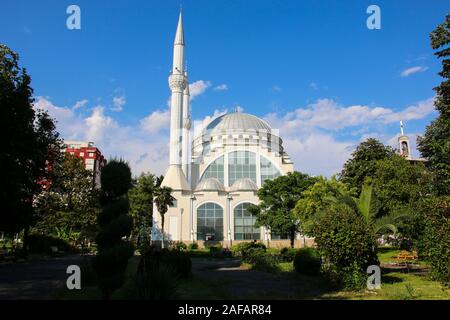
(366, 206)
(163, 200)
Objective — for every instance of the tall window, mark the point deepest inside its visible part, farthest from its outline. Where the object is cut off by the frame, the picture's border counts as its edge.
(210, 222)
(268, 170)
(215, 170)
(241, 164)
(244, 224)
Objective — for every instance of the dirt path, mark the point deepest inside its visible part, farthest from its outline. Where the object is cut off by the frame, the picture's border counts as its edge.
(35, 280)
(245, 284)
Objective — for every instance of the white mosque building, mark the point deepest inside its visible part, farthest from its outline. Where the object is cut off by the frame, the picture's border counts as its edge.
(216, 174)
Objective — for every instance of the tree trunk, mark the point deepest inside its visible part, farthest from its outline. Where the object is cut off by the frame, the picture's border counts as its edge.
(162, 230)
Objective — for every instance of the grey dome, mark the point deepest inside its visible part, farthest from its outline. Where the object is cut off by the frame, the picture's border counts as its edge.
(210, 184)
(237, 121)
(244, 184)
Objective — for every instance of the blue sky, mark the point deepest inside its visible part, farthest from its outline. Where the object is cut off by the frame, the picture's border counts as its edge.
(311, 68)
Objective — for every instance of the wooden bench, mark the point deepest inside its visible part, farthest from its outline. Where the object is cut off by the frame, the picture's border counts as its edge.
(406, 257)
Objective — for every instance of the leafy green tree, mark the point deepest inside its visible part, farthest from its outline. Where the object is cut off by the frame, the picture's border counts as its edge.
(317, 198)
(70, 204)
(163, 199)
(141, 205)
(113, 252)
(435, 143)
(29, 145)
(435, 243)
(278, 198)
(363, 161)
(399, 184)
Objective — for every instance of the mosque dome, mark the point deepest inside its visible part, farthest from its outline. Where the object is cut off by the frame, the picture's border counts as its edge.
(210, 184)
(237, 121)
(244, 184)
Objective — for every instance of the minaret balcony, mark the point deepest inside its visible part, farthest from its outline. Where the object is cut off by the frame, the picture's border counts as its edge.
(177, 82)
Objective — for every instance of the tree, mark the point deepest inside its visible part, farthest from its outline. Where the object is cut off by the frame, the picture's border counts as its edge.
(278, 198)
(346, 243)
(435, 144)
(70, 204)
(141, 205)
(115, 224)
(317, 198)
(163, 199)
(399, 184)
(30, 142)
(362, 162)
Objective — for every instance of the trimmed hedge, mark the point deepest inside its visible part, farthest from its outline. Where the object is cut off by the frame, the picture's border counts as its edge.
(307, 261)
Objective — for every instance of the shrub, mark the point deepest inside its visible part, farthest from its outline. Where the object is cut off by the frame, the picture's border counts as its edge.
(192, 246)
(346, 243)
(307, 261)
(241, 249)
(288, 254)
(260, 260)
(179, 245)
(156, 284)
(42, 244)
(178, 261)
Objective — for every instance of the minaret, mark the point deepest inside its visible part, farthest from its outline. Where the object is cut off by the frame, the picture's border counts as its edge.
(403, 144)
(175, 178)
(186, 129)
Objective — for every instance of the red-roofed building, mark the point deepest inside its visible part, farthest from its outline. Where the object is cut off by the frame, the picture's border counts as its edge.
(91, 155)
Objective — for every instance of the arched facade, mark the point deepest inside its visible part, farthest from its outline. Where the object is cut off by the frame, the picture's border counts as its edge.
(215, 175)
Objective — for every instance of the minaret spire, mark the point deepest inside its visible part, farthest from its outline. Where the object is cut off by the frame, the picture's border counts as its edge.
(175, 178)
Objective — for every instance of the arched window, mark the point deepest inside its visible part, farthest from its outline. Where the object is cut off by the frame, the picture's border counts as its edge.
(215, 170)
(241, 164)
(244, 224)
(210, 222)
(268, 170)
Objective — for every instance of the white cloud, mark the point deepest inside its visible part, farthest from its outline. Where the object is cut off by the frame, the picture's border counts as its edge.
(80, 104)
(310, 134)
(222, 87)
(118, 103)
(276, 88)
(198, 87)
(156, 121)
(412, 70)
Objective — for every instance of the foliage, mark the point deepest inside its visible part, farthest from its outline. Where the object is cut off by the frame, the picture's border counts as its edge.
(88, 275)
(260, 259)
(288, 254)
(163, 199)
(178, 261)
(242, 248)
(70, 205)
(318, 197)
(435, 239)
(398, 184)
(435, 143)
(42, 244)
(115, 223)
(346, 243)
(158, 284)
(192, 246)
(278, 198)
(363, 161)
(30, 143)
(307, 261)
(179, 245)
(141, 206)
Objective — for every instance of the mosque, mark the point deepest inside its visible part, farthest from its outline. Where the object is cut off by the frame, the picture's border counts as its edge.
(216, 174)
